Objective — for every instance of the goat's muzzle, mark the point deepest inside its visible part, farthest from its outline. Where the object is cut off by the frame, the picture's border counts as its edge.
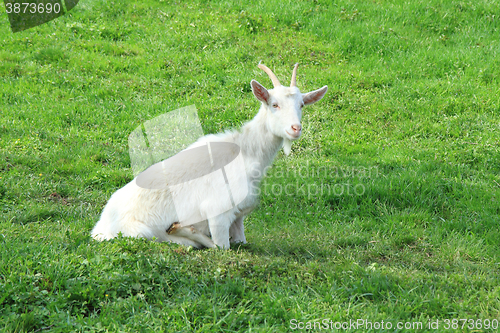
(295, 131)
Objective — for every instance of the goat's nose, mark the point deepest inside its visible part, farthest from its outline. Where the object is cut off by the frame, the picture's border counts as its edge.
(296, 128)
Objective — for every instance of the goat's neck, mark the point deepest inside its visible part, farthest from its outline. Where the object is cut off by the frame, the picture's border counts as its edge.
(258, 145)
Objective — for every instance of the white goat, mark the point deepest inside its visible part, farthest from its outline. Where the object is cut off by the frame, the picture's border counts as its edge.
(139, 212)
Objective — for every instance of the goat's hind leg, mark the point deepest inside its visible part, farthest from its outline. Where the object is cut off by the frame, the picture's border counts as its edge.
(191, 234)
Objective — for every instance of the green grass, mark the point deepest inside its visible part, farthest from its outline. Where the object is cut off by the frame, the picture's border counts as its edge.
(394, 206)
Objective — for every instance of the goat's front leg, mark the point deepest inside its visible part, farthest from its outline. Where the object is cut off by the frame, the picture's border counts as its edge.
(219, 230)
(237, 231)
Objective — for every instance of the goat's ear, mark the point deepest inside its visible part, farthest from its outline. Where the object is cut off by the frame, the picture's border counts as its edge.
(314, 96)
(259, 91)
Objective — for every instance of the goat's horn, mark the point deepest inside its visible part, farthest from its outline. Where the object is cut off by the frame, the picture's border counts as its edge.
(273, 77)
(294, 76)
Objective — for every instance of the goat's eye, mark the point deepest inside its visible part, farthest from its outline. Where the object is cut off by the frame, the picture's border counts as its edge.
(275, 105)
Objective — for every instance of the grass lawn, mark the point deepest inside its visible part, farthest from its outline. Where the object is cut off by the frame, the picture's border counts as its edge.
(394, 206)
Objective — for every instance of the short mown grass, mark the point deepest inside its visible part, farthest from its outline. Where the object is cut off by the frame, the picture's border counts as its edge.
(387, 209)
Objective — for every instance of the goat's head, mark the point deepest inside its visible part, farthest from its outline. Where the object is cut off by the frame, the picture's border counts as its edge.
(283, 106)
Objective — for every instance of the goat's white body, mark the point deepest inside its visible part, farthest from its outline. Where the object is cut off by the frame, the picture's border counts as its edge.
(149, 213)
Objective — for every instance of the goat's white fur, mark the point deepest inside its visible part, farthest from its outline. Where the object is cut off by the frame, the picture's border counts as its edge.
(150, 213)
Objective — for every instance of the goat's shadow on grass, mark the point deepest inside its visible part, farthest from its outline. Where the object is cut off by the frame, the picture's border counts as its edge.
(297, 252)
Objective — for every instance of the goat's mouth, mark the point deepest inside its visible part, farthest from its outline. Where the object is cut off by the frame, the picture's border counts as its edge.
(293, 136)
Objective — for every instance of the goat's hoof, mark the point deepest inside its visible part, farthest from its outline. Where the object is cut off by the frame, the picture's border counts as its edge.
(173, 228)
